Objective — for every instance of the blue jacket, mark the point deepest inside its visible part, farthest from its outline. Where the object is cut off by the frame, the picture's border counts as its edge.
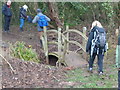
(36, 18)
(6, 11)
(22, 13)
(91, 37)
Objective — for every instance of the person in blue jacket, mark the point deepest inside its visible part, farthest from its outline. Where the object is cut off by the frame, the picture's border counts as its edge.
(40, 27)
(23, 16)
(6, 10)
(96, 25)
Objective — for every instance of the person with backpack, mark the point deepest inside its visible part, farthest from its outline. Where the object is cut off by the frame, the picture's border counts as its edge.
(118, 61)
(6, 10)
(23, 16)
(41, 20)
(96, 45)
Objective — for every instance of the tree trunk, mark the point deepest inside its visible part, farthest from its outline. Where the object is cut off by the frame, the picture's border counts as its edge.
(53, 9)
(35, 5)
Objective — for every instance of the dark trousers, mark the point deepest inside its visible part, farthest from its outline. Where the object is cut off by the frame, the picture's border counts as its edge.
(7, 23)
(100, 61)
(118, 79)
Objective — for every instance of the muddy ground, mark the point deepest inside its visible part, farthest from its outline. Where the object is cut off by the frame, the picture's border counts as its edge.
(30, 74)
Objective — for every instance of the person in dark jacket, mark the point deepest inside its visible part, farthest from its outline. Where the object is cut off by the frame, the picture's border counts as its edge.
(6, 10)
(96, 25)
(23, 16)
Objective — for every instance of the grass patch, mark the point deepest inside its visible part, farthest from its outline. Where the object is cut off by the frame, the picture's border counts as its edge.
(87, 80)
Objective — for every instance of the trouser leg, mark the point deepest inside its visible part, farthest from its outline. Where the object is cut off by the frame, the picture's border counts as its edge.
(91, 61)
(40, 33)
(7, 23)
(100, 62)
(21, 23)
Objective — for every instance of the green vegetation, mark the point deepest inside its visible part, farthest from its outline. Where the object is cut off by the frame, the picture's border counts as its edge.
(24, 52)
(93, 80)
(72, 13)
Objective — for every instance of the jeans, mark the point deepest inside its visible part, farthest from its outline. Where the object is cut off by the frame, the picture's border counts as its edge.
(7, 23)
(21, 22)
(100, 61)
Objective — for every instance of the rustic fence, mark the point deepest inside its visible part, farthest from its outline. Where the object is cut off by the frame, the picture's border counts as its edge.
(63, 42)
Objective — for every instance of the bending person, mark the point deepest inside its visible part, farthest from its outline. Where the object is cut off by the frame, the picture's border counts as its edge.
(41, 20)
(23, 16)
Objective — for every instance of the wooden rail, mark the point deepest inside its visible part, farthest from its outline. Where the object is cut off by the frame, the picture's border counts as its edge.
(63, 42)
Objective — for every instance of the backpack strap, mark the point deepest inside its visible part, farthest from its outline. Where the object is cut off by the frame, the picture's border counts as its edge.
(95, 34)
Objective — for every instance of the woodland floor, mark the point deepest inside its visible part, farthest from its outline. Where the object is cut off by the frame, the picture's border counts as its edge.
(33, 75)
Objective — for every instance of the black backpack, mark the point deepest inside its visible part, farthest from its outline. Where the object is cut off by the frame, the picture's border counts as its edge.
(100, 38)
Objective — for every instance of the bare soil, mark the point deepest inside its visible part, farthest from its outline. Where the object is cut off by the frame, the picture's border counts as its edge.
(30, 74)
(34, 75)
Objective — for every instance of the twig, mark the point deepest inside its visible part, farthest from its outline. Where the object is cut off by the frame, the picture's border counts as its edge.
(56, 78)
(78, 50)
(8, 63)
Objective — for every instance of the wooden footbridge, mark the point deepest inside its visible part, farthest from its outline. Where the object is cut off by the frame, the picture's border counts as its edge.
(63, 54)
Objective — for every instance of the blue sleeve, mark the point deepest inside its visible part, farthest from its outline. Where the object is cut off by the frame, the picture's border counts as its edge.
(36, 18)
(48, 19)
(88, 46)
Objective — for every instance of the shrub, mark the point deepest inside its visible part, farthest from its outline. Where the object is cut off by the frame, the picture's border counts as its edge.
(24, 52)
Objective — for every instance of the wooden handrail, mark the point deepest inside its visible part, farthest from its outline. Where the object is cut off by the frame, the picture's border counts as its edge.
(78, 44)
(66, 41)
(52, 30)
(78, 32)
(53, 42)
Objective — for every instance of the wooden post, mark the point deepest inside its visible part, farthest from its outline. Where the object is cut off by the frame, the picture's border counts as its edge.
(83, 40)
(43, 42)
(117, 32)
(84, 43)
(59, 44)
(67, 29)
(46, 45)
(64, 50)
